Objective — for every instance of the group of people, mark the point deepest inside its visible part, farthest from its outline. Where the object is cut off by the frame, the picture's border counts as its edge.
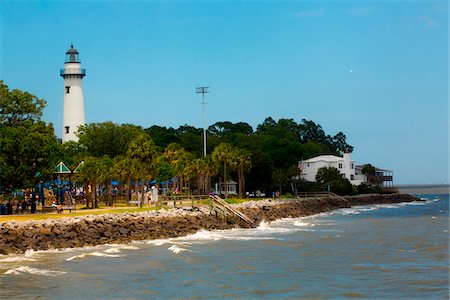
(152, 196)
(20, 206)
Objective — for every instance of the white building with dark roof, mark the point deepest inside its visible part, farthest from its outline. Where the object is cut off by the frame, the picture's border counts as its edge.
(346, 166)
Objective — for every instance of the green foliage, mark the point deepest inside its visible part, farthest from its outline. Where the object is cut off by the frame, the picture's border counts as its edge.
(330, 178)
(264, 159)
(367, 188)
(370, 172)
(17, 107)
(27, 144)
(325, 175)
(106, 138)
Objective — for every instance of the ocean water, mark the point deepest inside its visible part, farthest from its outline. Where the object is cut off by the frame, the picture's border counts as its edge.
(395, 251)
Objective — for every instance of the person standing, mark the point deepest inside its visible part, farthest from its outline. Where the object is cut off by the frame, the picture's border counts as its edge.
(148, 197)
(33, 203)
(9, 208)
(155, 194)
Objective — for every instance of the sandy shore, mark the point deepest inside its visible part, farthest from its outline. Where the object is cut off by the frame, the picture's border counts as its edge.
(70, 232)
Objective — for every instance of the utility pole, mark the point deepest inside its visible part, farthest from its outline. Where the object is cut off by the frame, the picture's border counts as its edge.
(203, 90)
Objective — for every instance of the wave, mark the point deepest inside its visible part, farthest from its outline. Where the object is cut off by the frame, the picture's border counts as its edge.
(176, 249)
(16, 259)
(96, 253)
(34, 271)
(303, 224)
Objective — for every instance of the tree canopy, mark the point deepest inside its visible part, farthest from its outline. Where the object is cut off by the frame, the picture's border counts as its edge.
(264, 159)
(28, 146)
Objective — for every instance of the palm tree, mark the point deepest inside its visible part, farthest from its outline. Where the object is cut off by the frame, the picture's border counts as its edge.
(142, 150)
(124, 170)
(163, 170)
(201, 168)
(177, 157)
(242, 160)
(90, 175)
(224, 153)
(107, 176)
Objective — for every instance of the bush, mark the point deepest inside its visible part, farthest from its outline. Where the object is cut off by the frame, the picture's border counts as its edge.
(367, 188)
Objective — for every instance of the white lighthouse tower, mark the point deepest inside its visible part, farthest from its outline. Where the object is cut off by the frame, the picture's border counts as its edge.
(73, 95)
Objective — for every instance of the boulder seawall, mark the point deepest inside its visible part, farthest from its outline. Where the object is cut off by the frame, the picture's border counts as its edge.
(90, 230)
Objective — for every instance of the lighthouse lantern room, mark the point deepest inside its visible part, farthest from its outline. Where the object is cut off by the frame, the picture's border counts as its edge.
(73, 74)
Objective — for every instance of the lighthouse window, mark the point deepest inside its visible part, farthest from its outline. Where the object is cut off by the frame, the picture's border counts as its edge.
(67, 89)
(67, 129)
(340, 166)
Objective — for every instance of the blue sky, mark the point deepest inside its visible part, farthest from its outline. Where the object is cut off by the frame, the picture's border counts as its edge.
(378, 71)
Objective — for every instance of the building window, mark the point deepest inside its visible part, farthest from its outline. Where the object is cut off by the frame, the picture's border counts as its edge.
(67, 89)
(340, 166)
(307, 165)
(352, 177)
(67, 129)
(353, 166)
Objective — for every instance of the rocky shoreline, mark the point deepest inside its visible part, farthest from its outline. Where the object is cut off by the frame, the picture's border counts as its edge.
(71, 232)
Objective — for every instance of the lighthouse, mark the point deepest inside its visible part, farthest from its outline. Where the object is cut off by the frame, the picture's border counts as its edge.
(73, 95)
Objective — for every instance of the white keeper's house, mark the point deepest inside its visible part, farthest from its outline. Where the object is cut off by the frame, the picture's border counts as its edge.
(346, 166)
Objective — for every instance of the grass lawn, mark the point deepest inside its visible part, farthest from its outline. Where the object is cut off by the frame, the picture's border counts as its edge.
(83, 211)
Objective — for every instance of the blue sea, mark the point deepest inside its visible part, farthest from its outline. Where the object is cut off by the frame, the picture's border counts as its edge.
(395, 251)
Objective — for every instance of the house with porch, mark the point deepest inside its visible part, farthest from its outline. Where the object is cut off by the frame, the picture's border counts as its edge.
(347, 167)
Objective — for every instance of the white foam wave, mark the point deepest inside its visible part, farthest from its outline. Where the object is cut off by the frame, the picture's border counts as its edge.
(159, 242)
(303, 224)
(175, 249)
(348, 211)
(34, 271)
(128, 247)
(96, 253)
(112, 250)
(15, 259)
(76, 256)
(121, 246)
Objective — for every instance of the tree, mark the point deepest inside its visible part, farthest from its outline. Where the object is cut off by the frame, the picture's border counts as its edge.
(340, 144)
(243, 162)
(107, 176)
(124, 169)
(201, 169)
(106, 138)
(17, 107)
(327, 174)
(370, 172)
(90, 175)
(331, 178)
(279, 176)
(27, 144)
(177, 157)
(224, 154)
(163, 170)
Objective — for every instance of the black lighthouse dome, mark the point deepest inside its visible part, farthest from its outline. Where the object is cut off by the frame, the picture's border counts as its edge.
(72, 55)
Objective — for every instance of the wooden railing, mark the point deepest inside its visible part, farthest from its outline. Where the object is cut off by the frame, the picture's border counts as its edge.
(312, 195)
(221, 207)
(316, 195)
(184, 200)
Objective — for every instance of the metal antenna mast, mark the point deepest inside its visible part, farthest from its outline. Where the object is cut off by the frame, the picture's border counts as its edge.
(203, 90)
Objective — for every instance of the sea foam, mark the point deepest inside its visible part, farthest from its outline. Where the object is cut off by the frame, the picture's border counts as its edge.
(15, 259)
(34, 271)
(176, 249)
(96, 253)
